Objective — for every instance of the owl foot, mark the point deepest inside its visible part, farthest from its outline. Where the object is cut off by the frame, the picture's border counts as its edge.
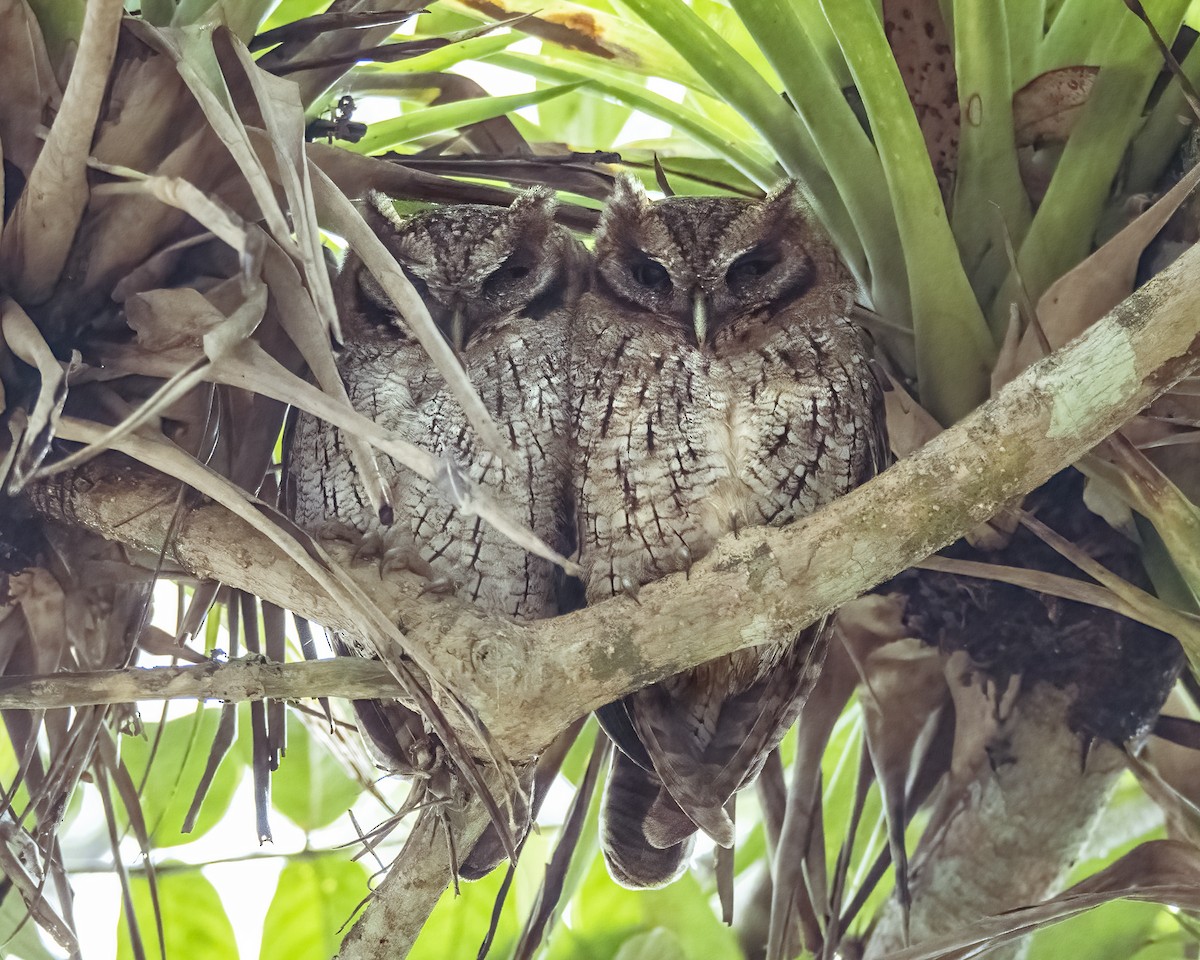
(407, 558)
(369, 550)
(735, 523)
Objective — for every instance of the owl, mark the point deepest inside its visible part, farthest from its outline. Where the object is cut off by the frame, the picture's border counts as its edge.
(501, 286)
(719, 384)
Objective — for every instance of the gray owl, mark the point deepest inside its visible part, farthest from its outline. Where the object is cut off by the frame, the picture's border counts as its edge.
(501, 286)
(719, 384)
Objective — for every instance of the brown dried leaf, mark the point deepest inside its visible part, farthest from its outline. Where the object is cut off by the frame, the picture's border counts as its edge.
(165, 319)
(30, 88)
(909, 425)
(25, 341)
(1088, 291)
(38, 236)
(1047, 107)
(920, 43)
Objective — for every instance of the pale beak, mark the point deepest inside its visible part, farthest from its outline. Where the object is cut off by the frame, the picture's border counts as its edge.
(458, 330)
(700, 317)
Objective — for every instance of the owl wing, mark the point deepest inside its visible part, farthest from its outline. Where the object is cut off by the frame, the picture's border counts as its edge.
(678, 770)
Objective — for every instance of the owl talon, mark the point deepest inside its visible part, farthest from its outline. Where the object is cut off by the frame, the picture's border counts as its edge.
(629, 588)
(685, 557)
(735, 523)
(406, 558)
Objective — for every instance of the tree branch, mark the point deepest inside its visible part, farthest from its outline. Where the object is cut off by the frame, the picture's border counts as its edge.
(526, 682)
(231, 681)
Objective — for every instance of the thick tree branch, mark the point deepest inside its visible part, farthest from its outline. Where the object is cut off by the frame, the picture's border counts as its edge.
(527, 682)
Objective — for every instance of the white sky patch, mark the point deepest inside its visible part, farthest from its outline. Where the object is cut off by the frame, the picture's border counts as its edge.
(666, 88)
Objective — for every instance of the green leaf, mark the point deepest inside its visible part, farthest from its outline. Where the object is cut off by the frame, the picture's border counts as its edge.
(604, 916)
(315, 898)
(174, 773)
(954, 346)
(658, 944)
(311, 787)
(616, 39)
(1121, 930)
(194, 922)
(1064, 227)
(583, 120)
(390, 134)
(846, 151)
(604, 82)
(735, 80)
(989, 196)
(457, 924)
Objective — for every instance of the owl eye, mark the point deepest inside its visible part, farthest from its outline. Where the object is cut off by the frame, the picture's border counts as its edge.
(506, 276)
(750, 266)
(650, 274)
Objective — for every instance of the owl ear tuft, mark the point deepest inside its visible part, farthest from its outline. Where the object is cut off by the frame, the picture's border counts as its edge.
(626, 205)
(787, 196)
(532, 212)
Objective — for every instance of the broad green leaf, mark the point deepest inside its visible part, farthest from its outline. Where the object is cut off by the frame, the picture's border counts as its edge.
(194, 922)
(1121, 930)
(584, 121)
(658, 944)
(954, 347)
(311, 787)
(390, 134)
(605, 915)
(309, 914)
(458, 923)
(177, 767)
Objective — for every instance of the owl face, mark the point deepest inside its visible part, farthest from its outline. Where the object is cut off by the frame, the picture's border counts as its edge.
(472, 264)
(701, 264)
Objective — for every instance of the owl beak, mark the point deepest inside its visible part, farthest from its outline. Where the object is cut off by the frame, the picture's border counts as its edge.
(700, 317)
(458, 330)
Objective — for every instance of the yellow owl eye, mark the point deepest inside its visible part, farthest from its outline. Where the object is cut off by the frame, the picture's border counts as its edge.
(650, 274)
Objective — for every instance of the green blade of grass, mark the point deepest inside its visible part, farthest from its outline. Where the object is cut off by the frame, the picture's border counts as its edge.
(954, 347)
(449, 116)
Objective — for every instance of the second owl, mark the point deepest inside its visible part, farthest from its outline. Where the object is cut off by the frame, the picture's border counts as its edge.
(719, 385)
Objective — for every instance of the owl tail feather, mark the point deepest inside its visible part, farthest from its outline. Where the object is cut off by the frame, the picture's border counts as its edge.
(645, 836)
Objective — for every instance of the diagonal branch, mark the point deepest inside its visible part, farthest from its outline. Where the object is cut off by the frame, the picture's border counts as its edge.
(527, 682)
